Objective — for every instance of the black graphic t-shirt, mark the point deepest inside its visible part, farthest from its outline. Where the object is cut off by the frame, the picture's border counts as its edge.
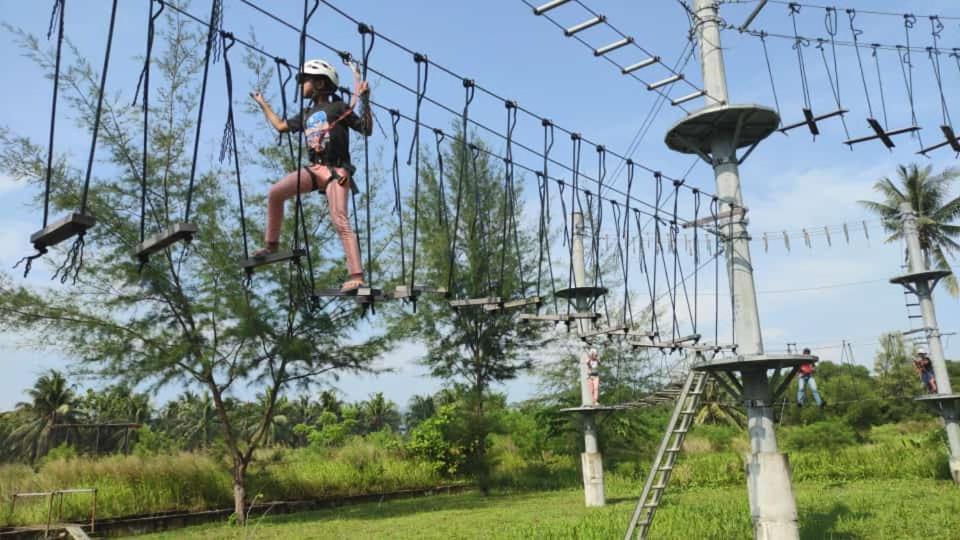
(328, 140)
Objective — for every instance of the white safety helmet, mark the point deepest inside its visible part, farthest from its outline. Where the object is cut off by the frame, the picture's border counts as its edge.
(593, 353)
(922, 351)
(321, 68)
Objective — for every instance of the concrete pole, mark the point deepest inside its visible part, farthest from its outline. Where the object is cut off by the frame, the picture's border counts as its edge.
(937, 357)
(772, 504)
(591, 459)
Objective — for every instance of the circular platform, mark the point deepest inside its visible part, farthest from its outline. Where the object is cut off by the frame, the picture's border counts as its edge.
(916, 277)
(581, 292)
(758, 361)
(750, 124)
(587, 409)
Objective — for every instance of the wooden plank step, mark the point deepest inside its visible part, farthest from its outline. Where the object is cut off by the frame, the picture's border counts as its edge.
(471, 302)
(165, 238)
(58, 231)
(272, 258)
(510, 304)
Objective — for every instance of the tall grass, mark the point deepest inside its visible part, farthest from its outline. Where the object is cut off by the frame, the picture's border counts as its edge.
(137, 485)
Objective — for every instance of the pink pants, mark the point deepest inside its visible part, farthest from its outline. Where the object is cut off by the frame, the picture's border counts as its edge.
(337, 198)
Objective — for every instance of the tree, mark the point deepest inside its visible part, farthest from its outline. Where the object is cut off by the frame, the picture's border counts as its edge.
(380, 413)
(52, 401)
(472, 345)
(937, 214)
(188, 318)
(419, 408)
(190, 420)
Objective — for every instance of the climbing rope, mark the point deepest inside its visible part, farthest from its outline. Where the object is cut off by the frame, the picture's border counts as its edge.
(397, 198)
(229, 143)
(798, 44)
(833, 77)
(365, 50)
(855, 33)
(423, 71)
(216, 13)
(144, 82)
(906, 67)
(773, 86)
(469, 91)
(74, 260)
(543, 181)
(936, 27)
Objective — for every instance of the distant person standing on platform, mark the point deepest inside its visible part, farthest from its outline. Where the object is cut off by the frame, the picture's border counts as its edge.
(924, 368)
(806, 380)
(593, 375)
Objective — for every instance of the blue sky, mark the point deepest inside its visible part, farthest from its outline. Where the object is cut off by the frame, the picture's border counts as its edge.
(790, 183)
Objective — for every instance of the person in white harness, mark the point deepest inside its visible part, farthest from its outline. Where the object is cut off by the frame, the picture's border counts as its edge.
(593, 375)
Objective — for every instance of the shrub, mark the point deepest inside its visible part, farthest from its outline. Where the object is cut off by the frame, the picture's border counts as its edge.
(819, 436)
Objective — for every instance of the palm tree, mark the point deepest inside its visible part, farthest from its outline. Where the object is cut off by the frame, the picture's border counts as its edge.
(380, 413)
(937, 214)
(52, 402)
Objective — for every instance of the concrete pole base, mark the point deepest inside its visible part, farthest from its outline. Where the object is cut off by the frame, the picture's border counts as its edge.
(955, 469)
(592, 463)
(772, 505)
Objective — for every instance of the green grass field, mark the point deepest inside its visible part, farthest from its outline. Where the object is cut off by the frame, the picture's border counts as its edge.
(894, 509)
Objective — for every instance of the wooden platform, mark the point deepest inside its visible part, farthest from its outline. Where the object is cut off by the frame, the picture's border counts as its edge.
(404, 291)
(576, 293)
(511, 304)
(573, 316)
(63, 229)
(280, 256)
(165, 238)
(915, 277)
(361, 294)
(474, 302)
(757, 361)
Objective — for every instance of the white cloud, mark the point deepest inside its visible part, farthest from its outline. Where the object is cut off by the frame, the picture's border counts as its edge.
(8, 184)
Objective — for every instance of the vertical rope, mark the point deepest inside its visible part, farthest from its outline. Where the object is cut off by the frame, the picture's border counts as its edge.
(696, 258)
(469, 90)
(215, 12)
(56, 17)
(626, 240)
(366, 49)
(145, 81)
(830, 21)
(883, 98)
(645, 270)
(714, 210)
(421, 61)
(299, 220)
(397, 198)
(544, 241)
(855, 33)
(906, 66)
(511, 108)
(575, 143)
(99, 110)
(230, 136)
(656, 231)
(283, 82)
(798, 44)
(773, 86)
(936, 27)
(439, 135)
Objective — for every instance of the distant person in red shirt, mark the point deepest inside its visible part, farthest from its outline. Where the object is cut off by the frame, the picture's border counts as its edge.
(924, 368)
(806, 380)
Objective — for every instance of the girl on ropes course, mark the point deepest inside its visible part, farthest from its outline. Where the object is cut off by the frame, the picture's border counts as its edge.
(324, 124)
(593, 375)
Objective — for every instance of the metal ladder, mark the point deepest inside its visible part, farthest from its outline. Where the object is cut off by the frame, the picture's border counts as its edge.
(918, 334)
(685, 409)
